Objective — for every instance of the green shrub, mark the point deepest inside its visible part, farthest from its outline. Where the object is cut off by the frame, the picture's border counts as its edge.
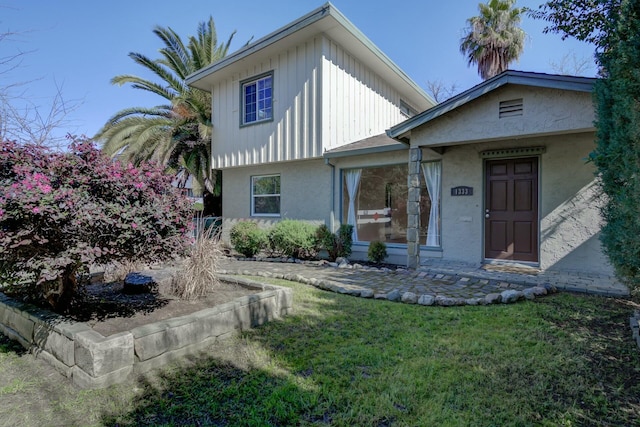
(338, 244)
(295, 239)
(377, 252)
(617, 153)
(344, 240)
(247, 238)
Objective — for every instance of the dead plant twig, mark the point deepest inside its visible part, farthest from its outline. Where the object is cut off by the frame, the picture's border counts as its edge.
(198, 275)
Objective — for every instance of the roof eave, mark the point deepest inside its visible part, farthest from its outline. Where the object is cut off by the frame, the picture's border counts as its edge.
(197, 79)
(362, 151)
(287, 30)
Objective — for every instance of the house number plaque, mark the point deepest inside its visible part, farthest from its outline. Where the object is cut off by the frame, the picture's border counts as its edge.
(462, 191)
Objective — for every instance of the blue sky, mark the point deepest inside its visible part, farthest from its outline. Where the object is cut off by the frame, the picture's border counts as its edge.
(81, 45)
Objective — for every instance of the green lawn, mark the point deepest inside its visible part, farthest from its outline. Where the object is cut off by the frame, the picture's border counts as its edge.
(345, 361)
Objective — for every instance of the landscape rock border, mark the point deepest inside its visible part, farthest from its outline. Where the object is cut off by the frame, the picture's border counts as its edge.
(508, 296)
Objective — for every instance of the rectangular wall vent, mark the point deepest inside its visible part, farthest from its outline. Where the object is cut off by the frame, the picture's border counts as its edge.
(511, 108)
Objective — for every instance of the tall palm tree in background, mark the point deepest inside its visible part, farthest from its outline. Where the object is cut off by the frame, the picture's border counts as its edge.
(176, 134)
(493, 39)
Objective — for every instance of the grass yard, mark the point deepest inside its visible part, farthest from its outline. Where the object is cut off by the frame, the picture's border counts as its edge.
(344, 361)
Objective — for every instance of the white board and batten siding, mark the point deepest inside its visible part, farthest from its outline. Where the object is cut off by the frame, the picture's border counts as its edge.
(323, 98)
(358, 103)
(292, 134)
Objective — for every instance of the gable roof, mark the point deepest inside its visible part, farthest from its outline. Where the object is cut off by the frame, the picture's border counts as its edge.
(325, 19)
(549, 81)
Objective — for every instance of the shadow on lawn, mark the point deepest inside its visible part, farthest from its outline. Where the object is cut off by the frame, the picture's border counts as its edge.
(216, 393)
(240, 383)
(10, 346)
(608, 392)
(337, 355)
(305, 369)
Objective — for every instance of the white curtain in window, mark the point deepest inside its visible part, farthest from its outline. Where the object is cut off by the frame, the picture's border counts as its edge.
(352, 179)
(433, 176)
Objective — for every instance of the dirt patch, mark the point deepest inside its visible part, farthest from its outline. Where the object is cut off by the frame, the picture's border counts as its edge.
(108, 310)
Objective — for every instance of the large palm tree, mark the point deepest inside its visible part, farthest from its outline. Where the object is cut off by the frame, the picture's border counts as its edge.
(177, 133)
(493, 39)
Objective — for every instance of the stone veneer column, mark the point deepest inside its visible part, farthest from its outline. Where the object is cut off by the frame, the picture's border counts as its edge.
(413, 208)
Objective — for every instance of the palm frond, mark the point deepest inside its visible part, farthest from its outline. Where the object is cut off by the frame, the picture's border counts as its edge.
(493, 39)
(175, 53)
(162, 70)
(177, 134)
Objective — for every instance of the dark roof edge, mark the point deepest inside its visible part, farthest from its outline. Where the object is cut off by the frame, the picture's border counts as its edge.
(552, 81)
(302, 22)
(362, 151)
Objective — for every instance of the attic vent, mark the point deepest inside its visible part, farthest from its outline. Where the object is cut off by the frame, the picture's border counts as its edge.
(511, 108)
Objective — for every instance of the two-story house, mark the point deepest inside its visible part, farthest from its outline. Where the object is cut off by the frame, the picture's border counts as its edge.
(282, 102)
(314, 122)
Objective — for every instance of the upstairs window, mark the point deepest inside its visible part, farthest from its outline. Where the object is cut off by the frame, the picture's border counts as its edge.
(407, 110)
(257, 99)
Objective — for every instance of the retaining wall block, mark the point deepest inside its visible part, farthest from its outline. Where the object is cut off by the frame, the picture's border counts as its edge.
(187, 331)
(150, 341)
(54, 361)
(17, 321)
(86, 381)
(260, 312)
(242, 316)
(4, 313)
(98, 356)
(285, 301)
(48, 339)
(221, 321)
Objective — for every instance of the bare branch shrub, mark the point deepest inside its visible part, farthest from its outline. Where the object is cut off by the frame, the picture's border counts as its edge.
(25, 117)
(573, 65)
(440, 91)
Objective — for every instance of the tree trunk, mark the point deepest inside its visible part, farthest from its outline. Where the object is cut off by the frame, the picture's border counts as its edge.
(212, 205)
(212, 202)
(65, 290)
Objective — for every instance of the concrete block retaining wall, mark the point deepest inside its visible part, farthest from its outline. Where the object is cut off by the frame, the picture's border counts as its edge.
(91, 360)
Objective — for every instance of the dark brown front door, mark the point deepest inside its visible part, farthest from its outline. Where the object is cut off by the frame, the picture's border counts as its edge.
(511, 209)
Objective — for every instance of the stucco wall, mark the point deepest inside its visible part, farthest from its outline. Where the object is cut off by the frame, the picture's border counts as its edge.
(545, 111)
(569, 213)
(305, 188)
(570, 208)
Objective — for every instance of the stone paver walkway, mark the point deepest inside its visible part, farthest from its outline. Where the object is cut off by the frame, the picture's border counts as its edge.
(441, 283)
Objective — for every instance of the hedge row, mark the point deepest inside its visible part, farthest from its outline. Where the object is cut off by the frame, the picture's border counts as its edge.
(291, 238)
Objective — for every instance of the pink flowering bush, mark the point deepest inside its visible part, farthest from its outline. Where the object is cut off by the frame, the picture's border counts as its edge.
(61, 212)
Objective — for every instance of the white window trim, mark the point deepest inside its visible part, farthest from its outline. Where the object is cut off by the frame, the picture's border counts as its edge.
(253, 196)
(243, 105)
